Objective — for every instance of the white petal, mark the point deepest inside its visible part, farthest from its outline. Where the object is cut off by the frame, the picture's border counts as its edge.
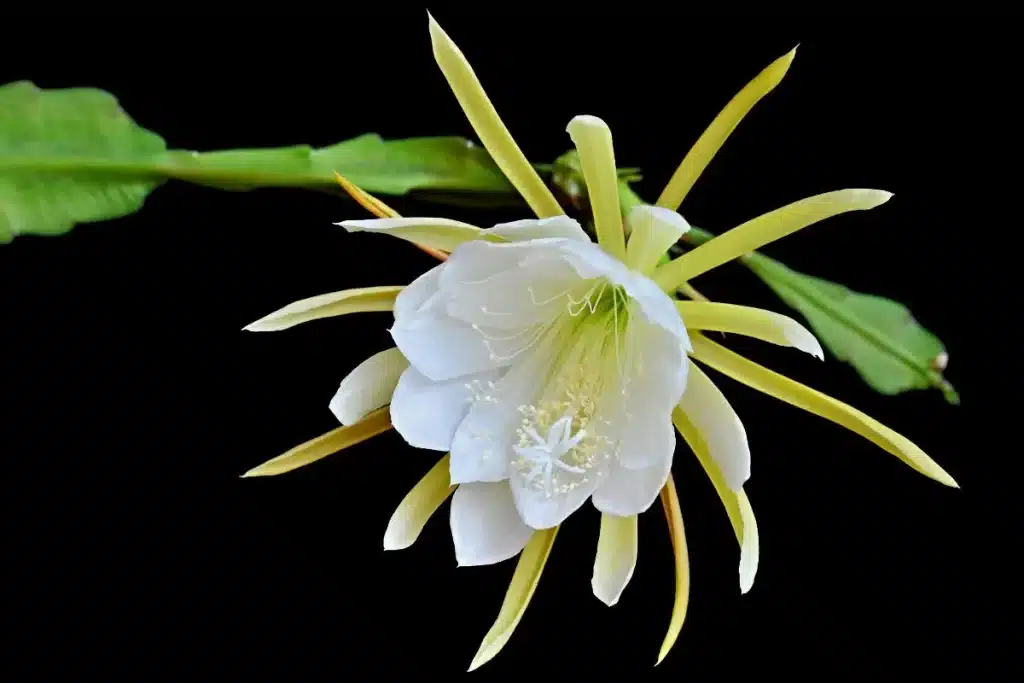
(419, 292)
(485, 525)
(719, 426)
(629, 492)
(616, 557)
(530, 292)
(369, 386)
(427, 413)
(437, 345)
(442, 347)
(653, 230)
(474, 263)
(642, 417)
(533, 228)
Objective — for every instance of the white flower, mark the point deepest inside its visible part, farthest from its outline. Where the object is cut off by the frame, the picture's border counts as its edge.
(551, 369)
(545, 366)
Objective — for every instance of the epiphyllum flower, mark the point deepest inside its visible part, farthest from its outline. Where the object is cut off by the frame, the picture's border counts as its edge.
(551, 369)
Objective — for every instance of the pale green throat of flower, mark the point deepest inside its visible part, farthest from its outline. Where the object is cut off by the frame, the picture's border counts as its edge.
(562, 440)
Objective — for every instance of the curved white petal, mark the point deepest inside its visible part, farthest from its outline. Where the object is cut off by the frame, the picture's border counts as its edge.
(427, 413)
(369, 386)
(653, 230)
(419, 292)
(533, 228)
(485, 525)
(719, 426)
(442, 347)
(529, 294)
(616, 557)
(629, 492)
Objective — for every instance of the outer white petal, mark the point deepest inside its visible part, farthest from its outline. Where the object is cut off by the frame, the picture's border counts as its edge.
(369, 386)
(419, 293)
(440, 346)
(626, 492)
(719, 426)
(427, 413)
(533, 228)
(485, 525)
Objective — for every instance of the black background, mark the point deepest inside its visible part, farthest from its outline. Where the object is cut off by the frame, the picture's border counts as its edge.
(133, 400)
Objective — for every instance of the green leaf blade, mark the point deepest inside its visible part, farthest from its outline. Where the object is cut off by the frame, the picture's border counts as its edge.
(62, 159)
(879, 337)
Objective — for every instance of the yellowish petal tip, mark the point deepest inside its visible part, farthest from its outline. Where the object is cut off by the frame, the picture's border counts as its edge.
(478, 660)
(585, 120)
(436, 32)
(877, 197)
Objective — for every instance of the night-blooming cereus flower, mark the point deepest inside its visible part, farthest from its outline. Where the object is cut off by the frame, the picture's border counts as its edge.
(550, 370)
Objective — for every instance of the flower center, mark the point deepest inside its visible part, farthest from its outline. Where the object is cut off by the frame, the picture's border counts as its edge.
(562, 440)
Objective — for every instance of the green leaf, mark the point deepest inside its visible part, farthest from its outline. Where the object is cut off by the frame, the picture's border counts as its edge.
(59, 155)
(879, 337)
(74, 156)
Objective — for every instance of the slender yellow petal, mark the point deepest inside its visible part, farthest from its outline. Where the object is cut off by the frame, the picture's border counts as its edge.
(379, 209)
(653, 230)
(439, 233)
(593, 141)
(616, 557)
(488, 126)
(362, 300)
(520, 590)
(674, 517)
(375, 423)
(704, 150)
(801, 396)
(766, 228)
(773, 328)
(418, 505)
(737, 507)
